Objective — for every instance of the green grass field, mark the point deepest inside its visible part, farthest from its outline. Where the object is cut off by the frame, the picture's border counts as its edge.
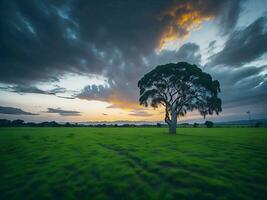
(133, 163)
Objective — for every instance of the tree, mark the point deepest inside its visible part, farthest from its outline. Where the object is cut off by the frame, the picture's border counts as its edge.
(158, 125)
(67, 124)
(195, 125)
(259, 124)
(17, 122)
(179, 88)
(209, 124)
(4, 122)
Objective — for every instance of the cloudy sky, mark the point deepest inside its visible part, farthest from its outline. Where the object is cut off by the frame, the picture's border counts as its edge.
(78, 60)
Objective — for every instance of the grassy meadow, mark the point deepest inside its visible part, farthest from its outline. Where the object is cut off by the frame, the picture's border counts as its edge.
(133, 163)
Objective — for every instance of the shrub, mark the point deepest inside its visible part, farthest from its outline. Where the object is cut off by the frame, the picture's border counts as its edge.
(158, 125)
(195, 125)
(209, 124)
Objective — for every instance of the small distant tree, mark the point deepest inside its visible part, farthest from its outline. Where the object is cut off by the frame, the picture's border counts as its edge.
(185, 125)
(259, 124)
(53, 124)
(67, 124)
(180, 88)
(195, 125)
(158, 125)
(4, 122)
(209, 124)
(17, 122)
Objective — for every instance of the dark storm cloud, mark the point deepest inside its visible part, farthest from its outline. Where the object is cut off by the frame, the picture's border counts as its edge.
(95, 92)
(123, 92)
(43, 39)
(63, 112)
(239, 75)
(35, 43)
(189, 52)
(229, 16)
(243, 46)
(14, 111)
(211, 47)
(28, 89)
(242, 87)
(22, 89)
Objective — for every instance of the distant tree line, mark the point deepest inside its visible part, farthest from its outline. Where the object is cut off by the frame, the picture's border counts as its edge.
(208, 124)
(22, 123)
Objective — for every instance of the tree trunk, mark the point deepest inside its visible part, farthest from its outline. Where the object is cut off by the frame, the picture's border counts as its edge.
(173, 123)
(172, 128)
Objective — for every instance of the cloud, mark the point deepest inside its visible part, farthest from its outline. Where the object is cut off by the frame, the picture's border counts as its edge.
(112, 94)
(122, 91)
(58, 89)
(28, 89)
(212, 46)
(63, 112)
(242, 87)
(95, 92)
(243, 46)
(188, 52)
(185, 16)
(14, 111)
(229, 16)
(43, 40)
(140, 113)
(22, 89)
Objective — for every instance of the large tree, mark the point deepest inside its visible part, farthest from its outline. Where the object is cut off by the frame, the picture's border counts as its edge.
(180, 87)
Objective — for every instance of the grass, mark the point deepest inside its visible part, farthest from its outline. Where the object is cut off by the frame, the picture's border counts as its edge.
(133, 163)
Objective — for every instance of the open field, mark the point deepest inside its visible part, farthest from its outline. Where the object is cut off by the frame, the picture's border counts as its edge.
(133, 163)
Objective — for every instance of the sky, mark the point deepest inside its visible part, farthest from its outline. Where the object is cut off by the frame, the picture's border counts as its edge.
(80, 61)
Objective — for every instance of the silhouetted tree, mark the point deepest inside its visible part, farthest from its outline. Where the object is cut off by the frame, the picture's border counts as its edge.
(53, 124)
(180, 88)
(185, 125)
(159, 125)
(44, 124)
(209, 124)
(259, 124)
(31, 124)
(17, 122)
(67, 124)
(5, 122)
(195, 125)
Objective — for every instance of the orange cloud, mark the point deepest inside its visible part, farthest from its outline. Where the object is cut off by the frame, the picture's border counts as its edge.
(183, 18)
(116, 98)
(117, 101)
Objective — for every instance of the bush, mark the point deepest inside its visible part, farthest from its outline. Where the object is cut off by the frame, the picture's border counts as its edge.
(158, 125)
(259, 124)
(195, 125)
(17, 122)
(209, 124)
(5, 122)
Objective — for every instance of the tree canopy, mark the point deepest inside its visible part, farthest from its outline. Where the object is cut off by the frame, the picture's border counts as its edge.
(180, 87)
